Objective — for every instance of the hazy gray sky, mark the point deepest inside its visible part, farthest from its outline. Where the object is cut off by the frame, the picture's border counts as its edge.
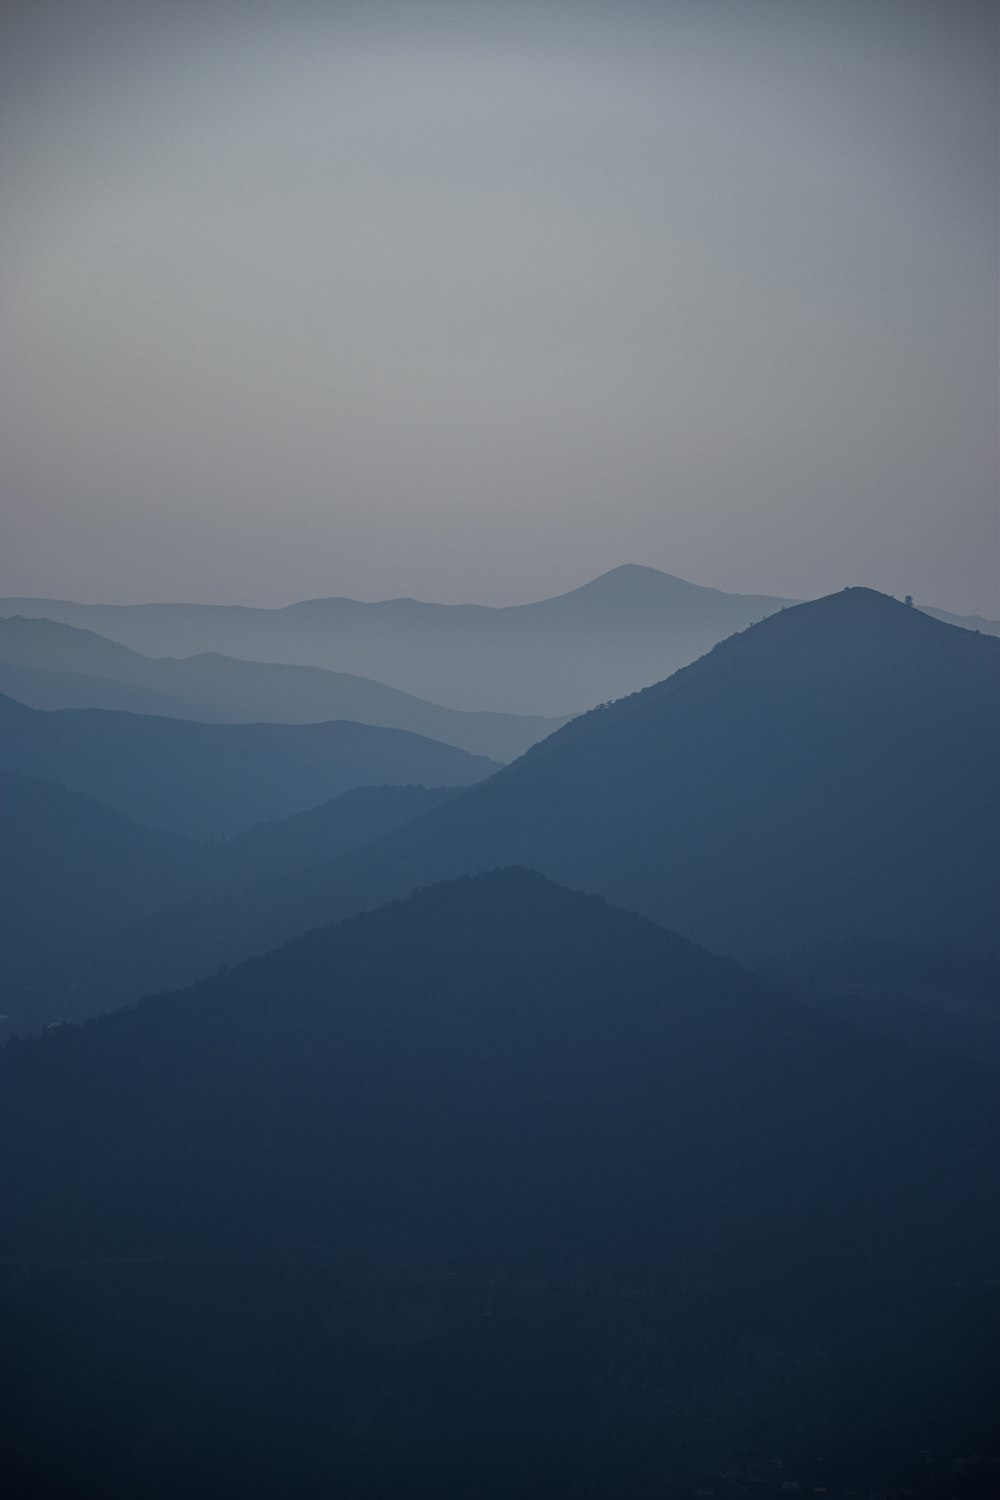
(476, 300)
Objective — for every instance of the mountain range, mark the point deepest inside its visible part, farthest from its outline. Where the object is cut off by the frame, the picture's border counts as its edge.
(499, 1137)
(830, 772)
(622, 631)
(50, 665)
(212, 780)
(827, 777)
(511, 1047)
(76, 875)
(498, 1183)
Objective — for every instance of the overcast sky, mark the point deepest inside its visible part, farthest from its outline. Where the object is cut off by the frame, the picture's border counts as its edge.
(473, 301)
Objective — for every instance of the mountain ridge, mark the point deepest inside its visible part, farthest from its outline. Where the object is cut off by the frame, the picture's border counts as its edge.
(627, 628)
(463, 974)
(206, 780)
(79, 878)
(864, 788)
(51, 664)
(552, 657)
(896, 690)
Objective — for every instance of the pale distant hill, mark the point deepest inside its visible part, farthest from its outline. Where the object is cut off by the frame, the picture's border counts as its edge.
(620, 632)
(967, 622)
(50, 664)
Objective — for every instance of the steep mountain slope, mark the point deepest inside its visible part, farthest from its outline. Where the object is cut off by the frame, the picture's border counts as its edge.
(51, 665)
(209, 779)
(494, 1180)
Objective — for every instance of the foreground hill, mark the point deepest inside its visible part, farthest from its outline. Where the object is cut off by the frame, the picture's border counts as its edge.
(512, 1047)
(204, 780)
(50, 665)
(620, 632)
(474, 1128)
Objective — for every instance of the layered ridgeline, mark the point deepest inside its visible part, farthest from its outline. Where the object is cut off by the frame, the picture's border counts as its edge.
(205, 780)
(438, 1179)
(72, 871)
(618, 633)
(51, 665)
(827, 778)
(75, 874)
(833, 772)
(819, 794)
(502, 1054)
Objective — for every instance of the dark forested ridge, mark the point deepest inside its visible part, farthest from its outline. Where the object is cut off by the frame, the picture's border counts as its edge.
(204, 780)
(53, 665)
(930, 996)
(495, 1043)
(496, 1084)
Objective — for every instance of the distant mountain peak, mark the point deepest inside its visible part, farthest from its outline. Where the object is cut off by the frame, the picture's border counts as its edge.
(858, 603)
(637, 582)
(631, 570)
(635, 575)
(855, 623)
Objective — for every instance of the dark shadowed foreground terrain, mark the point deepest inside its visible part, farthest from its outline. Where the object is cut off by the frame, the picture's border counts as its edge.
(496, 1188)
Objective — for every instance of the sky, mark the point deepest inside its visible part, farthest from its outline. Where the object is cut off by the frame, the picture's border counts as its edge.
(474, 301)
